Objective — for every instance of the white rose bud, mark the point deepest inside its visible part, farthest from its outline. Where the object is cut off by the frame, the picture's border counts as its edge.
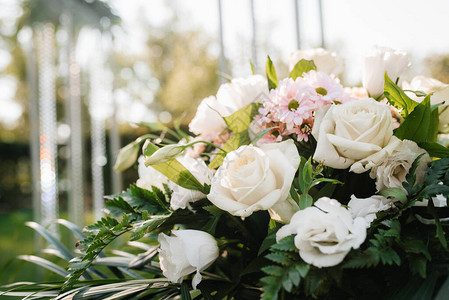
(325, 232)
(382, 60)
(325, 61)
(391, 173)
(164, 154)
(186, 252)
(357, 134)
(257, 178)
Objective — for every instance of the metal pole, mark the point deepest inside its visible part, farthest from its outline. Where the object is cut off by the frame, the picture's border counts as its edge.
(97, 127)
(34, 134)
(320, 11)
(253, 23)
(114, 129)
(76, 199)
(297, 24)
(222, 66)
(47, 118)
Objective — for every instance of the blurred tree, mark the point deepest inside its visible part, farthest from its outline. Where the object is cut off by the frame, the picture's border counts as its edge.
(186, 71)
(437, 66)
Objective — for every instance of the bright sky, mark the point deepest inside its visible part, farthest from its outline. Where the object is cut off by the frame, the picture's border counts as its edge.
(351, 27)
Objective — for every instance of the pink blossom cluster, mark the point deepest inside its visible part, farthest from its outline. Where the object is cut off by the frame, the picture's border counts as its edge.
(291, 106)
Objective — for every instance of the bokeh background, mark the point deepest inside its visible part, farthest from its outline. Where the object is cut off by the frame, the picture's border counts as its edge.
(76, 76)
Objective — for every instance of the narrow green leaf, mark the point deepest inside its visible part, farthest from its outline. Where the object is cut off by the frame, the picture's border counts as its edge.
(253, 70)
(185, 291)
(398, 98)
(271, 75)
(306, 175)
(305, 200)
(45, 264)
(439, 229)
(262, 134)
(301, 67)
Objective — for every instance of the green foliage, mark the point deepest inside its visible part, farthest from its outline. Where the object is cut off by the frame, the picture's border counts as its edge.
(240, 120)
(301, 67)
(398, 98)
(272, 78)
(176, 172)
(238, 123)
(421, 124)
(287, 273)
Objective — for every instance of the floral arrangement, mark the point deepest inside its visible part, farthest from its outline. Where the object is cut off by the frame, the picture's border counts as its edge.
(294, 188)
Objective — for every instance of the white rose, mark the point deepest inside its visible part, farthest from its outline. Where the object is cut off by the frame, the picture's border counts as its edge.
(241, 92)
(232, 96)
(440, 95)
(391, 172)
(257, 178)
(207, 121)
(181, 197)
(355, 133)
(324, 60)
(186, 252)
(368, 207)
(382, 60)
(325, 232)
(148, 176)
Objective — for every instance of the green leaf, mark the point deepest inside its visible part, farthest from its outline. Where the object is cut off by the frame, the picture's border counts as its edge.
(398, 98)
(307, 176)
(305, 200)
(439, 229)
(301, 67)
(434, 149)
(177, 173)
(396, 193)
(271, 75)
(280, 258)
(185, 291)
(273, 270)
(240, 120)
(253, 70)
(45, 264)
(286, 244)
(418, 265)
(417, 125)
(127, 156)
(262, 134)
(269, 241)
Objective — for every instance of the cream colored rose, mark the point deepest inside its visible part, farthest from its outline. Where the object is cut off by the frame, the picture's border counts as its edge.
(257, 178)
(391, 172)
(355, 134)
(325, 232)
